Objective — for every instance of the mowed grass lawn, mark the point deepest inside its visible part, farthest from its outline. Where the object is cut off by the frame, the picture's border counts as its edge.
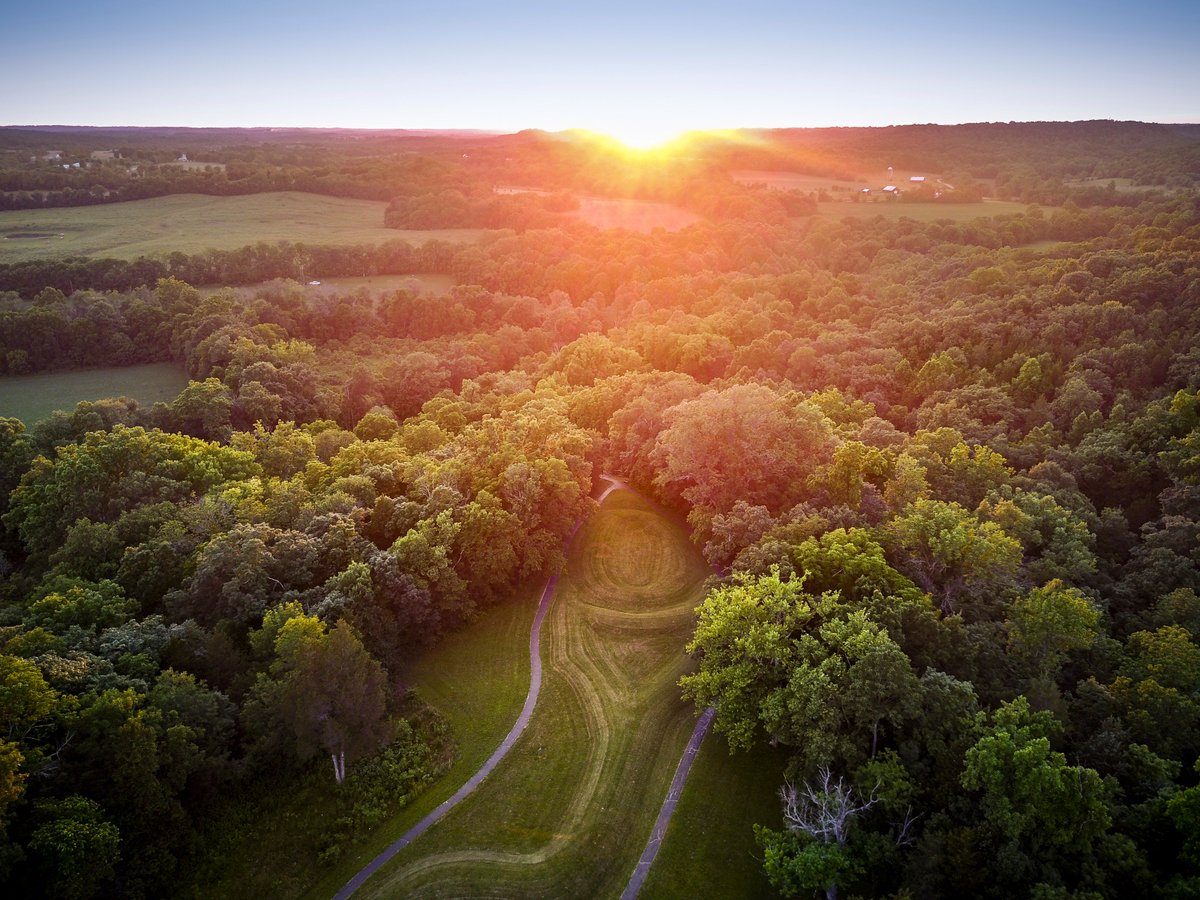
(709, 849)
(33, 397)
(192, 223)
(569, 810)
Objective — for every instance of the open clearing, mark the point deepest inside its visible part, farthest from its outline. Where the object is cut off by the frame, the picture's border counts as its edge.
(610, 212)
(636, 215)
(430, 284)
(1120, 185)
(569, 810)
(33, 397)
(796, 181)
(921, 212)
(192, 223)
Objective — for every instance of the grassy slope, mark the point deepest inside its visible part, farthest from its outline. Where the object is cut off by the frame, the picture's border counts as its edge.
(192, 223)
(568, 812)
(709, 849)
(476, 678)
(33, 397)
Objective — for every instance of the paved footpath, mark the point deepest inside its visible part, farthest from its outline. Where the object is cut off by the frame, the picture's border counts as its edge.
(642, 869)
(535, 686)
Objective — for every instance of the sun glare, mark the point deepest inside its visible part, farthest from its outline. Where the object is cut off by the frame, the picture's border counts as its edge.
(643, 135)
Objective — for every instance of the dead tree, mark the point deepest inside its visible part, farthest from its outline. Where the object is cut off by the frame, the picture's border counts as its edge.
(823, 811)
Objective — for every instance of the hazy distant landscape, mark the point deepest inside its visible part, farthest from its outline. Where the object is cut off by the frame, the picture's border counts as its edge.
(656, 452)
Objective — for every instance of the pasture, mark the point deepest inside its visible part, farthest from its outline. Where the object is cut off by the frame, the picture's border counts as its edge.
(192, 223)
(1120, 185)
(33, 397)
(636, 215)
(569, 810)
(421, 283)
(797, 181)
(921, 212)
(615, 212)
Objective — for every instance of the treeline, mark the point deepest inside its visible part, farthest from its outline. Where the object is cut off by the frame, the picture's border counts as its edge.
(39, 185)
(246, 265)
(954, 482)
(1151, 154)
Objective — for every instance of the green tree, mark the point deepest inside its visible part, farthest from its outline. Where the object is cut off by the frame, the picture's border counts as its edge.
(75, 846)
(949, 553)
(1037, 817)
(1049, 622)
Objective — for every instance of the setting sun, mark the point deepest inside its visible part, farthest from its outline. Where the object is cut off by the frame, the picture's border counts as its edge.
(643, 135)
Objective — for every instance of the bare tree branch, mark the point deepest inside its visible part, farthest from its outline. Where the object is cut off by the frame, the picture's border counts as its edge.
(825, 810)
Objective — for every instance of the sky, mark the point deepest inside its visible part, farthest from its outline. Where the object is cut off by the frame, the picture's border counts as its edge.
(618, 67)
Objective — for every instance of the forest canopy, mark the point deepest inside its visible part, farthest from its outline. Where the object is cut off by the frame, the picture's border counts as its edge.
(947, 474)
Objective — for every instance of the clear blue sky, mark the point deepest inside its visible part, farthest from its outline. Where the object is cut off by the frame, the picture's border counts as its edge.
(607, 66)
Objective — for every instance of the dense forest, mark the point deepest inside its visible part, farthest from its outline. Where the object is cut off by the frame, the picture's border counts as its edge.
(949, 473)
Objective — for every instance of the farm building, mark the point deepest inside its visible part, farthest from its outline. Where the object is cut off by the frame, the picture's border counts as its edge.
(917, 179)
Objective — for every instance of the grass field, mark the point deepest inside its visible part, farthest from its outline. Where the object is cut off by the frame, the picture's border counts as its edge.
(609, 212)
(921, 212)
(709, 849)
(636, 215)
(796, 181)
(33, 397)
(192, 223)
(1121, 185)
(432, 284)
(569, 810)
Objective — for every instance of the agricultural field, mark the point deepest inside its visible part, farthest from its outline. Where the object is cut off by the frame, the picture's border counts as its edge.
(192, 223)
(636, 215)
(421, 283)
(1120, 185)
(33, 397)
(797, 181)
(921, 212)
(569, 810)
(609, 212)
(192, 165)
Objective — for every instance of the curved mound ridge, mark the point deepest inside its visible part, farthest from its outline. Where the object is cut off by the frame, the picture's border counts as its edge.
(568, 812)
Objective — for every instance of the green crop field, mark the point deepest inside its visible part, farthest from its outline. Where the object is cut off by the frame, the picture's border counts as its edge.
(569, 810)
(192, 223)
(33, 397)
(921, 212)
